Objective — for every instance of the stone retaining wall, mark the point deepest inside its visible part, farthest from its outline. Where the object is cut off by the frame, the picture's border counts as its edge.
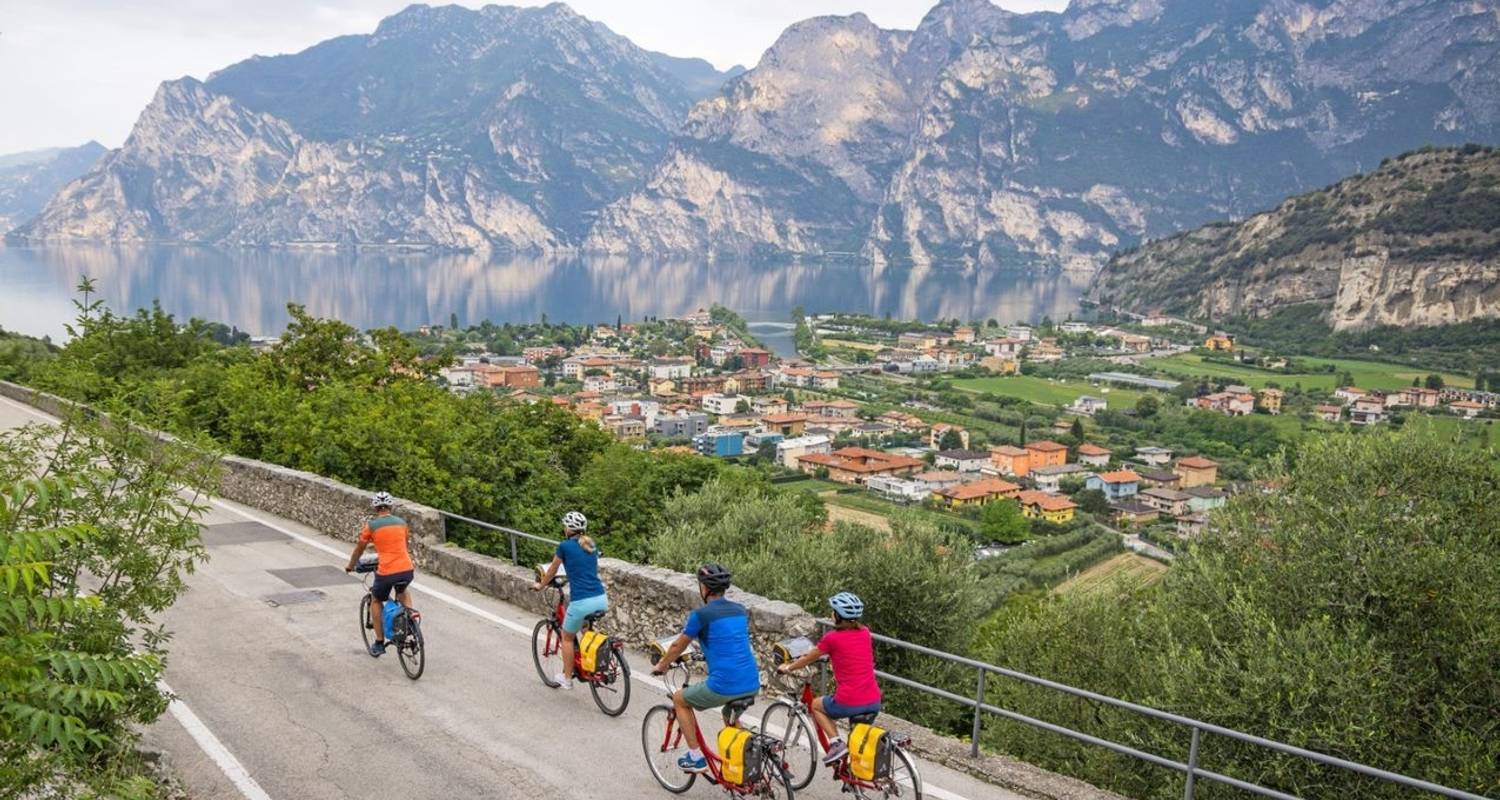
(646, 603)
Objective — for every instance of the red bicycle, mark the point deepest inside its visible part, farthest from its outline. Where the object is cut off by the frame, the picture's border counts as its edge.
(609, 680)
(788, 719)
(663, 741)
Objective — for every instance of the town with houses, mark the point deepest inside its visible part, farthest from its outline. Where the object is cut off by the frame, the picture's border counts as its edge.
(703, 384)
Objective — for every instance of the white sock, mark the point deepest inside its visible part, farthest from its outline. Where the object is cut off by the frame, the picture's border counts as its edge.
(695, 753)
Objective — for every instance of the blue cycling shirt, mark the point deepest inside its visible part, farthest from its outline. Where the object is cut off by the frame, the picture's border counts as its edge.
(723, 629)
(583, 570)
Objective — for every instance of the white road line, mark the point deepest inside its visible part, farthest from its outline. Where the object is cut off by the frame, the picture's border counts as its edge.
(25, 409)
(226, 760)
(215, 749)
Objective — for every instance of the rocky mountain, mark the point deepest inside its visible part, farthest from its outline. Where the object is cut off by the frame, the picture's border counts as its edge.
(1416, 242)
(991, 138)
(497, 128)
(28, 180)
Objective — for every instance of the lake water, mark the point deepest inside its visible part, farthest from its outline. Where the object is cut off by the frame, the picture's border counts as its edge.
(250, 289)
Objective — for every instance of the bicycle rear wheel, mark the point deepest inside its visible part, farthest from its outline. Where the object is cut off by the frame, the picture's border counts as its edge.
(413, 648)
(904, 780)
(365, 628)
(778, 785)
(546, 651)
(799, 745)
(611, 687)
(663, 744)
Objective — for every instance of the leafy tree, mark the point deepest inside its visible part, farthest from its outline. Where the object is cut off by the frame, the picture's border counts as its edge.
(1351, 612)
(951, 440)
(1002, 521)
(90, 553)
(1147, 406)
(1077, 429)
(1092, 501)
(1434, 382)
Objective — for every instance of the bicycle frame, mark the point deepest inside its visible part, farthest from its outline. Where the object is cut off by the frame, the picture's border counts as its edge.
(554, 641)
(673, 739)
(841, 769)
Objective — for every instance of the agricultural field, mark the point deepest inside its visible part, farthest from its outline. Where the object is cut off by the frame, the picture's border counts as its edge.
(1125, 572)
(1048, 391)
(1366, 374)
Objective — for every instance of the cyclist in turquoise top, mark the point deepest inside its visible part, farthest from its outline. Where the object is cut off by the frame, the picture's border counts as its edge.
(579, 558)
(722, 628)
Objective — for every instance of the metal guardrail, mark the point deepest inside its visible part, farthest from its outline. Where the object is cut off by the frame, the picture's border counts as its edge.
(511, 533)
(1190, 769)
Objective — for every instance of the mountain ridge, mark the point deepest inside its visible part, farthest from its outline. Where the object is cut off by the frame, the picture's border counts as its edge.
(1415, 242)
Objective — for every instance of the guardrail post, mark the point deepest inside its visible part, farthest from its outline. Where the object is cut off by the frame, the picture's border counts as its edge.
(978, 701)
(514, 559)
(1192, 765)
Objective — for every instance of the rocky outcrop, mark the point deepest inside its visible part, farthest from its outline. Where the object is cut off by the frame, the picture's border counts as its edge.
(1053, 139)
(1416, 242)
(446, 127)
(29, 180)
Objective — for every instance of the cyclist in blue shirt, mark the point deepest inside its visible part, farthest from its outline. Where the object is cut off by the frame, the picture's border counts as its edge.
(722, 628)
(579, 557)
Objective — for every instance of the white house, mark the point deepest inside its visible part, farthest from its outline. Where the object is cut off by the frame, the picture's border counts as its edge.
(902, 490)
(1088, 404)
(1022, 332)
(789, 450)
(962, 460)
(1154, 456)
(1005, 347)
(671, 368)
(722, 404)
(600, 383)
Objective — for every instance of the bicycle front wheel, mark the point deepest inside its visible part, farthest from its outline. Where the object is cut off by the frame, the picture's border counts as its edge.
(785, 723)
(904, 780)
(611, 684)
(663, 744)
(546, 652)
(778, 785)
(365, 628)
(413, 649)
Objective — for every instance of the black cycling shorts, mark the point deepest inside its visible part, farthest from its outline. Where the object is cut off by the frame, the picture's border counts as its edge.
(398, 581)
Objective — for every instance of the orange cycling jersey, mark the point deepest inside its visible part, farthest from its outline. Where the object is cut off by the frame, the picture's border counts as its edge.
(389, 535)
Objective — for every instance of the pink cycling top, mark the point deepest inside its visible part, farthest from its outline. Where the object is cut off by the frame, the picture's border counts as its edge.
(852, 654)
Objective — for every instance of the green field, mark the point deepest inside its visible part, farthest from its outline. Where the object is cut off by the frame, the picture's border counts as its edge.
(1048, 391)
(1367, 374)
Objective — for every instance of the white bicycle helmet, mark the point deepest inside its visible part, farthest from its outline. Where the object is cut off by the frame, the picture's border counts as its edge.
(847, 606)
(382, 500)
(575, 521)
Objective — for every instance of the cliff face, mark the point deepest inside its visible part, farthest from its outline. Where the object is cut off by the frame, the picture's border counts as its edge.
(29, 180)
(981, 138)
(1416, 242)
(503, 127)
(991, 138)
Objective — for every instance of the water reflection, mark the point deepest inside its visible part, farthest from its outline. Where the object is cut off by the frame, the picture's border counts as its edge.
(250, 288)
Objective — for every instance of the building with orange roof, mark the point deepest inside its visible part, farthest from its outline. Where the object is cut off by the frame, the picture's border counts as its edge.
(786, 424)
(1011, 460)
(1197, 471)
(1050, 507)
(977, 493)
(1116, 485)
(941, 429)
(854, 465)
(1047, 454)
(1092, 455)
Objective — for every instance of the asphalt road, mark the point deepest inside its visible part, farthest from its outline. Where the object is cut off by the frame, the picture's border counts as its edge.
(281, 701)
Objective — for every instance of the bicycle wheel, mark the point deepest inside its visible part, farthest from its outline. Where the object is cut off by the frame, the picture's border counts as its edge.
(611, 689)
(413, 648)
(365, 628)
(785, 723)
(777, 784)
(904, 780)
(546, 652)
(662, 752)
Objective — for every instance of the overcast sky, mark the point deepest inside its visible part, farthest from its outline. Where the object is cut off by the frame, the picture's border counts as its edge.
(74, 70)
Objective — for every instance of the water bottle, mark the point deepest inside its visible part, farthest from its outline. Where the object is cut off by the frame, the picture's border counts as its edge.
(391, 610)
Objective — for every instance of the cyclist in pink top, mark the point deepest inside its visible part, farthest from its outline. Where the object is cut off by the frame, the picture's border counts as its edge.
(852, 654)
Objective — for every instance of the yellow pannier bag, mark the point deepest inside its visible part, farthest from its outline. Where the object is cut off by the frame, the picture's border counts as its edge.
(591, 645)
(740, 762)
(869, 752)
